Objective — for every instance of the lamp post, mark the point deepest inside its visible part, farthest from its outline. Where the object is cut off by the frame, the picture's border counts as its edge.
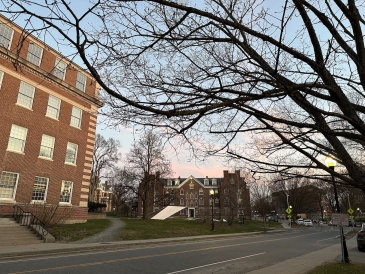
(213, 193)
(331, 163)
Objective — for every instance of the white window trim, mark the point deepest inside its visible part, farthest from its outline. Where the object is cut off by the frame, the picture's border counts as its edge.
(44, 157)
(15, 186)
(83, 90)
(59, 108)
(1, 77)
(72, 188)
(40, 57)
(25, 140)
(58, 61)
(45, 192)
(12, 34)
(77, 149)
(79, 126)
(32, 99)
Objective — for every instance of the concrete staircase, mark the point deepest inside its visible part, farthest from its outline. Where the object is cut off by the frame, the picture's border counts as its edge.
(12, 233)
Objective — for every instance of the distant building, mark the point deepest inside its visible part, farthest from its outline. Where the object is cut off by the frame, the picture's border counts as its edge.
(103, 195)
(231, 201)
(47, 125)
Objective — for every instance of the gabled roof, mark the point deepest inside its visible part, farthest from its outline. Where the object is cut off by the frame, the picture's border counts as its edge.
(183, 181)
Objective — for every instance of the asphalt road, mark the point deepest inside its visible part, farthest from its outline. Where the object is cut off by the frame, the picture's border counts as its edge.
(232, 255)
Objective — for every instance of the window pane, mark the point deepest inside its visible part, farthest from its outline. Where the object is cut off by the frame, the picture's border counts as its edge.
(6, 34)
(25, 96)
(7, 184)
(60, 69)
(66, 190)
(71, 153)
(17, 138)
(40, 189)
(53, 107)
(76, 117)
(1, 77)
(34, 54)
(80, 81)
(47, 146)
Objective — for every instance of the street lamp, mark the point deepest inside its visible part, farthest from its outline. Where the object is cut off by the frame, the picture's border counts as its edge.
(213, 193)
(331, 163)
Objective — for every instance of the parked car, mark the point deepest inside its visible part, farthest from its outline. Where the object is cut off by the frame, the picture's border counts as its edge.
(300, 221)
(307, 223)
(360, 238)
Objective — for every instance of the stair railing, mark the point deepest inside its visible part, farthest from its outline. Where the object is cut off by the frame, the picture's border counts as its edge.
(29, 219)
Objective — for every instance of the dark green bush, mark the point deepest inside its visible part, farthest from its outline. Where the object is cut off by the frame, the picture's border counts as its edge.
(95, 207)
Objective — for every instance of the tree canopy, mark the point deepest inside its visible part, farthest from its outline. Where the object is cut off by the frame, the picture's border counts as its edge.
(277, 85)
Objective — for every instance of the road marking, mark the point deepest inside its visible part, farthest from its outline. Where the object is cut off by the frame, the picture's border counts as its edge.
(328, 239)
(155, 255)
(222, 262)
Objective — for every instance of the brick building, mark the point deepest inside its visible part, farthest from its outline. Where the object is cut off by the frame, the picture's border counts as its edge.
(104, 195)
(232, 198)
(47, 121)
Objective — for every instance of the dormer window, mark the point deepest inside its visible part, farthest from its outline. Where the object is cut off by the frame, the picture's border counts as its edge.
(177, 181)
(206, 182)
(214, 182)
(169, 182)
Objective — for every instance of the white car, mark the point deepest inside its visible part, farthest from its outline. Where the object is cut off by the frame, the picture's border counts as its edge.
(307, 223)
(300, 221)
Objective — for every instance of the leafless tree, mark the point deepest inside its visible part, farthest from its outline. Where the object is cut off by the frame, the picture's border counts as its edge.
(105, 157)
(146, 159)
(221, 71)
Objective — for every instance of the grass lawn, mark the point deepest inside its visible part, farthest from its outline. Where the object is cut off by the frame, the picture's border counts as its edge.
(339, 268)
(180, 227)
(75, 232)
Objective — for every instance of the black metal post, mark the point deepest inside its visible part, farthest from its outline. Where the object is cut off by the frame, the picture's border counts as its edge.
(346, 254)
(212, 195)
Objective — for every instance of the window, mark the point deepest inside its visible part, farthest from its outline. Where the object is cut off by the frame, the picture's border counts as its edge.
(177, 182)
(226, 200)
(216, 200)
(169, 182)
(25, 95)
(191, 204)
(201, 210)
(182, 212)
(206, 182)
(172, 201)
(17, 138)
(181, 192)
(214, 182)
(53, 108)
(196, 203)
(80, 81)
(187, 195)
(66, 192)
(40, 189)
(201, 201)
(226, 191)
(34, 54)
(8, 183)
(60, 69)
(76, 117)
(47, 146)
(6, 34)
(1, 77)
(201, 192)
(196, 195)
(191, 186)
(71, 153)
(182, 201)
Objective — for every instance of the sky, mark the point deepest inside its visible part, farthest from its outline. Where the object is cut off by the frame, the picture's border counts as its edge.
(180, 164)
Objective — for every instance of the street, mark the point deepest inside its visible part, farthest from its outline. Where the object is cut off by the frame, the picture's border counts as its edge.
(232, 255)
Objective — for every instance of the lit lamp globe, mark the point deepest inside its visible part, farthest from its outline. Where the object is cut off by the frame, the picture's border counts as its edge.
(330, 162)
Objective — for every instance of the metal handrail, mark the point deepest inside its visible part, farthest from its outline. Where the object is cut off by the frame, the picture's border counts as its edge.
(28, 218)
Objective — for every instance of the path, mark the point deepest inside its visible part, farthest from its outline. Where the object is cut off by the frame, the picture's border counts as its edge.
(108, 235)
